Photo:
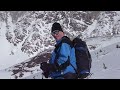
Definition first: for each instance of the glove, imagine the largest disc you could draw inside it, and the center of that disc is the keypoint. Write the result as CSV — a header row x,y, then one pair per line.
x,y
43,66
46,74
47,68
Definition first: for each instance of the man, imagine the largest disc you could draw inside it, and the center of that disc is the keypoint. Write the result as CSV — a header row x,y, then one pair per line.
x,y
62,64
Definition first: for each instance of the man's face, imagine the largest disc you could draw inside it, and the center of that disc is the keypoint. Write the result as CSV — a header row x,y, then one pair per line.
x,y
57,34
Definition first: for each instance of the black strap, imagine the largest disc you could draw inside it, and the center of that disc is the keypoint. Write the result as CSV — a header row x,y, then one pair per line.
x,y
65,39
77,74
89,56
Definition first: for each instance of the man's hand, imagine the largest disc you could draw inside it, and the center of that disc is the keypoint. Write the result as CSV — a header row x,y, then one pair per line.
x,y
47,68
43,66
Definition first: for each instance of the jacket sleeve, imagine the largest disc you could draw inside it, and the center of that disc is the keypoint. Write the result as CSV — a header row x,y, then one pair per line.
x,y
64,52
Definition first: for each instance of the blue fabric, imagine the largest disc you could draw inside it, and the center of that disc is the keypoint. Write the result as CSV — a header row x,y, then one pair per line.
x,y
64,51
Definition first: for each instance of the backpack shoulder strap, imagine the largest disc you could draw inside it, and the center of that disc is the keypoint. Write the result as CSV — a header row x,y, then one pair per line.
x,y
65,39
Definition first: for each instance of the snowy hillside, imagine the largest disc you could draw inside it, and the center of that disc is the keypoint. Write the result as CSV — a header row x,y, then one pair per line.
x,y
9,54
105,61
24,34
26,38
105,64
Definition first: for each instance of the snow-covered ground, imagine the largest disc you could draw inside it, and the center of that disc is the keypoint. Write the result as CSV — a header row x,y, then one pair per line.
x,y
107,66
106,62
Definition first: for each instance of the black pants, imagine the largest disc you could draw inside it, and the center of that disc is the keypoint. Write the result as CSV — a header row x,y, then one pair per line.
x,y
67,76
70,76
82,76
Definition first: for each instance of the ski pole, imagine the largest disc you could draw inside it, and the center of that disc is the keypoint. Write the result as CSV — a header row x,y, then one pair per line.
x,y
42,75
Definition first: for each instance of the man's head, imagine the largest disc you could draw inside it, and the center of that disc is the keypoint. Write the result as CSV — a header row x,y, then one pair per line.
x,y
57,31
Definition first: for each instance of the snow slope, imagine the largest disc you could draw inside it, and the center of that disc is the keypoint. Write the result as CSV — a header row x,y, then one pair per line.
x,y
107,64
105,60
